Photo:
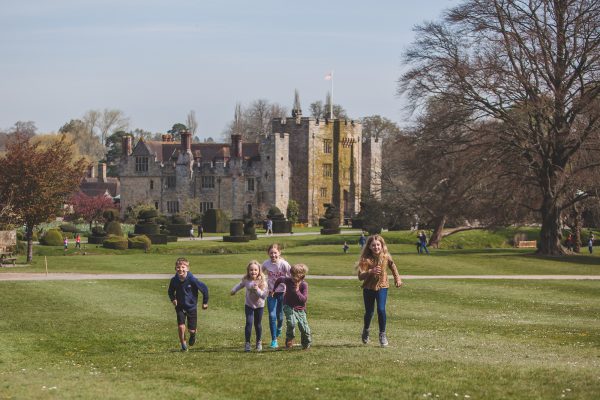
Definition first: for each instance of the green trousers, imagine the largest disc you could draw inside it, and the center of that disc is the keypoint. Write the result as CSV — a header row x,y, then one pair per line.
x,y
293,318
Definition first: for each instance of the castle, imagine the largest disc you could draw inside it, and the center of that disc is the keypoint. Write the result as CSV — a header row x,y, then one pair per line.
x,y
312,161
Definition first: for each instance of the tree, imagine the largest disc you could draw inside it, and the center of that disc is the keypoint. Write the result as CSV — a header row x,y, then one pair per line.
x,y
253,121
111,121
176,131
88,144
533,66
319,110
38,181
379,127
114,147
192,123
90,208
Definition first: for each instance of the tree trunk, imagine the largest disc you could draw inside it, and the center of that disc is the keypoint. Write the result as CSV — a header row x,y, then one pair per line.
x,y
436,236
576,229
550,235
29,237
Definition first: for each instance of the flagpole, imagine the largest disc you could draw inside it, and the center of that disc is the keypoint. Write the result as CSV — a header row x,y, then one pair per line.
x,y
331,102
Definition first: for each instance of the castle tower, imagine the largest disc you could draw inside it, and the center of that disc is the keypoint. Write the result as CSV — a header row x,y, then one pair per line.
x,y
275,176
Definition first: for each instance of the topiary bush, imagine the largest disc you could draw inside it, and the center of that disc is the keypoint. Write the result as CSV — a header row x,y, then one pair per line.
x,y
215,221
177,220
69,228
53,237
140,242
113,228
116,242
148,214
111,214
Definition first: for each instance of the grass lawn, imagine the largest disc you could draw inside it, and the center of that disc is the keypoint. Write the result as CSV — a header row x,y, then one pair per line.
x,y
448,339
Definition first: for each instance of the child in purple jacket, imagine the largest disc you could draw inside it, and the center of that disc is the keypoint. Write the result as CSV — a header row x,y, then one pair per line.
x,y
294,305
256,292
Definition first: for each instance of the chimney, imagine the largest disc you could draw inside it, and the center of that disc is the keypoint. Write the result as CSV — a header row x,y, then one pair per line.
x,y
236,146
186,141
91,171
102,172
126,145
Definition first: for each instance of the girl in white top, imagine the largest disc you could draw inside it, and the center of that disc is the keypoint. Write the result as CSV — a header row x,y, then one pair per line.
x,y
275,267
256,292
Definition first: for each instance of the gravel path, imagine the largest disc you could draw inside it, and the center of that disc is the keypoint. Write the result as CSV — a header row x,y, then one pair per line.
x,y
16,276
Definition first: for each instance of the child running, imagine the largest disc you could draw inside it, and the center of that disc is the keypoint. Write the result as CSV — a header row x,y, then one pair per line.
x,y
275,267
372,270
256,292
294,306
183,292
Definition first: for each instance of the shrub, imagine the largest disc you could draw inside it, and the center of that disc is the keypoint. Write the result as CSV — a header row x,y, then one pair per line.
x,y
275,213
115,242
143,229
98,231
53,237
215,220
148,213
162,220
21,236
177,220
182,230
139,242
113,228
111,214
69,228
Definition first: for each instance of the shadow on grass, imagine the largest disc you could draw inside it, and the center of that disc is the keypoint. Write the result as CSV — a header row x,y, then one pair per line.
x,y
267,349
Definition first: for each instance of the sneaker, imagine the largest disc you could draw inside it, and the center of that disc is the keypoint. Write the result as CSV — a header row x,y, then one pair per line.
x,y
289,343
184,347
192,340
383,339
258,346
274,344
247,346
365,336
307,347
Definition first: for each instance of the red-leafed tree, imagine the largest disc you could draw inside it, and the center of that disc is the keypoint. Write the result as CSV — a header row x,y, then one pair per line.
x,y
38,181
90,208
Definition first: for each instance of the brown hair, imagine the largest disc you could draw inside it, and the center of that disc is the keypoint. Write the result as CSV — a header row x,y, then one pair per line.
x,y
182,260
367,253
298,272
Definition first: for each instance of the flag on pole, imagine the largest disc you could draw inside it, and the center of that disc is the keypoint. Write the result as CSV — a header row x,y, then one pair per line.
x,y
329,76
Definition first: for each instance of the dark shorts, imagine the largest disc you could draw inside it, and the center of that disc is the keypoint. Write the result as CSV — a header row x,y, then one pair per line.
x,y
191,315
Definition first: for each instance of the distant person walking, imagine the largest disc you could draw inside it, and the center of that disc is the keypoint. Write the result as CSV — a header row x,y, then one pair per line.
x,y
66,243
269,226
78,241
591,243
192,233
200,231
423,243
362,240
346,247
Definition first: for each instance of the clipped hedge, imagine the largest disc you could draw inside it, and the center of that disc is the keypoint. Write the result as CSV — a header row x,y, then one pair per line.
x,y
139,242
113,228
96,239
215,221
180,230
147,229
53,237
68,228
116,242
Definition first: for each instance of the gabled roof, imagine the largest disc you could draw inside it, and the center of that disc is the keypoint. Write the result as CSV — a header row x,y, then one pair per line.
x,y
165,151
94,186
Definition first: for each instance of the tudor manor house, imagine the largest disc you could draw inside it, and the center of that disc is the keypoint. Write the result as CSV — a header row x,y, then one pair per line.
x,y
312,161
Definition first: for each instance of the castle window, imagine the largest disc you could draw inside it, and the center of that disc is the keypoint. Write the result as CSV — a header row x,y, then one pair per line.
x,y
206,205
151,184
327,145
323,192
156,205
141,164
327,170
208,182
172,207
250,184
249,209
171,182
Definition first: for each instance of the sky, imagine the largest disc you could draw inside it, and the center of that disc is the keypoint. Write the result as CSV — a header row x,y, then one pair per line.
x,y
156,60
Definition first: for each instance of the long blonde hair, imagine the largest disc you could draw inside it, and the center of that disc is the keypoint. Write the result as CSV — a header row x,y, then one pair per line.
x,y
260,278
367,256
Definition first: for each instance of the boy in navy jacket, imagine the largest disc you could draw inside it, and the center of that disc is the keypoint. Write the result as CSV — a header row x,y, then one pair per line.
x,y
183,292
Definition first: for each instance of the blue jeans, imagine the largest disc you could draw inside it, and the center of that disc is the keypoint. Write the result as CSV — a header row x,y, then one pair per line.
x,y
423,248
253,317
275,307
370,297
